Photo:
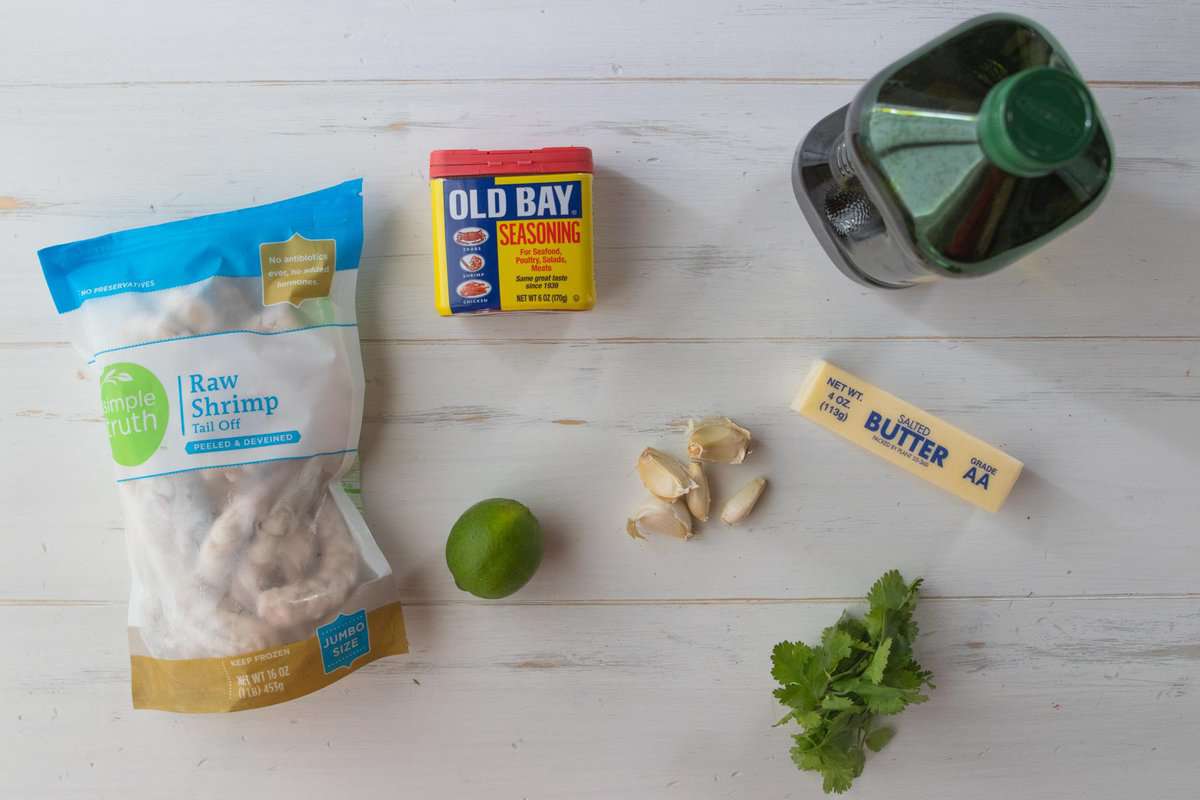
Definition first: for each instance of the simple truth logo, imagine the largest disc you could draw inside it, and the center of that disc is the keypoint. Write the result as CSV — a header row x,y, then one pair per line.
x,y
136,412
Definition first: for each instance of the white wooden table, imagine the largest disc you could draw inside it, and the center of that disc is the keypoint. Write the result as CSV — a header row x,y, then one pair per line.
x,y
1064,631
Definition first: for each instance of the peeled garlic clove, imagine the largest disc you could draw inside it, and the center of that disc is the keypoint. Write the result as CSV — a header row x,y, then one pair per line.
x,y
718,440
664,476
662,518
698,499
742,503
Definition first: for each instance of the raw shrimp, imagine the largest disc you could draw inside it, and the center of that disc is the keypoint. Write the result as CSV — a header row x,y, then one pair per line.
x,y
231,384
335,575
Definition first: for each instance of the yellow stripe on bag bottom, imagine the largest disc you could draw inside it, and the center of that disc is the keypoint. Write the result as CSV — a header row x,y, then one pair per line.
x,y
261,678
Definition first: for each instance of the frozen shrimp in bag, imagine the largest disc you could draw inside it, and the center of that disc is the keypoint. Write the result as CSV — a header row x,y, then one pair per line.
x,y
230,378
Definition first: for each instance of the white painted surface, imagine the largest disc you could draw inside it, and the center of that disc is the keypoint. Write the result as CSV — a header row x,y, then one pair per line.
x,y
1064,631
1037,698
44,41
694,208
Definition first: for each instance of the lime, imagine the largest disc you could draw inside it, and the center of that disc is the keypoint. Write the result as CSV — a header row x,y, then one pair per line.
x,y
494,548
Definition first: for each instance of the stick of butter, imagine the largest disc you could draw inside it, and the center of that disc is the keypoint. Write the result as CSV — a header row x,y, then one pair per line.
x,y
908,437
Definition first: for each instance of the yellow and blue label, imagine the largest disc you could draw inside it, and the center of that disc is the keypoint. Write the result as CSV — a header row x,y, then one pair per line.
x,y
513,243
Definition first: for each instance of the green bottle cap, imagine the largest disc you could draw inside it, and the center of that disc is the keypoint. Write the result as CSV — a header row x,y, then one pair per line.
x,y
1035,121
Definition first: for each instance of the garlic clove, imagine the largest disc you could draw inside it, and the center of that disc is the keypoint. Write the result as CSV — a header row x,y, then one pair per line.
x,y
718,440
663,475
662,518
698,499
741,504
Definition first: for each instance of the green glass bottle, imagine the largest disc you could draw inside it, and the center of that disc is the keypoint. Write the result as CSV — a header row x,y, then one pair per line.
x,y
956,160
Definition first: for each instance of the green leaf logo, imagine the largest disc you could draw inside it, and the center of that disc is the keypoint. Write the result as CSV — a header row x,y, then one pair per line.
x,y
136,412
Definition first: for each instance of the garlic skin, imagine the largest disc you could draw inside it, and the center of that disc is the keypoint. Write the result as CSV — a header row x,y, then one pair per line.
x,y
660,517
718,440
699,499
663,475
741,504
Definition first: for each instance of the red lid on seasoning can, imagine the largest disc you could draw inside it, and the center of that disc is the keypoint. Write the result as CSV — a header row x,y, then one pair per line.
x,y
547,160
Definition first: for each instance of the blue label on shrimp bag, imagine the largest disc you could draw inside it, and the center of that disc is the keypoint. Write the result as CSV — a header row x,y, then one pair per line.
x,y
344,640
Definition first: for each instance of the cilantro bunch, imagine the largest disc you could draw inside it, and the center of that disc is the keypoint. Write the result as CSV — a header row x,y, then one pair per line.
x,y
863,668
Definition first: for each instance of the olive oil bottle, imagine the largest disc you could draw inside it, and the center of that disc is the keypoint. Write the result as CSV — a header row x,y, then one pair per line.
x,y
956,160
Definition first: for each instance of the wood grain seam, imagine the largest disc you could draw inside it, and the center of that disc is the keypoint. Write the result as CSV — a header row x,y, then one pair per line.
x,y
604,340
607,340
778,80
23,602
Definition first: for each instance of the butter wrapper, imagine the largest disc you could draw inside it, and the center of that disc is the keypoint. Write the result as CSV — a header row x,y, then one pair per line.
x,y
907,436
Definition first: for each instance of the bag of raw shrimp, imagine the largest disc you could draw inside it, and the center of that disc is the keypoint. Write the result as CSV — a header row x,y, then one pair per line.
x,y
227,358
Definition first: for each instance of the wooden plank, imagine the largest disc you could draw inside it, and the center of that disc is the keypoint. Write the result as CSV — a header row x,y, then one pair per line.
x,y
1041,699
1106,429
224,40
698,234
621,671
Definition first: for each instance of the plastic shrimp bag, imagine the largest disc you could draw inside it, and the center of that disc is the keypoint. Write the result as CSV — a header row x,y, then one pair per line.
x,y
230,377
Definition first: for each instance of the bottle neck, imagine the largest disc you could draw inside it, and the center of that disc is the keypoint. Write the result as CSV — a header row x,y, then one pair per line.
x,y
1036,121
839,160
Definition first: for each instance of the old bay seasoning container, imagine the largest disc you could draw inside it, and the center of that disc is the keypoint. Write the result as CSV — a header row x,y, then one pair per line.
x,y
512,230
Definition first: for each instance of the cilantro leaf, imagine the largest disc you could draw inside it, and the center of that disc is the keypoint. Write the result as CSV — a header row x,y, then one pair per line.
x,y
913,589
862,668
842,685
877,739
806,719
835,646
874,670
904,633
837,755
876,623
801,672
853,626
789,661
799,696
835,702
890,592
906,677
881,699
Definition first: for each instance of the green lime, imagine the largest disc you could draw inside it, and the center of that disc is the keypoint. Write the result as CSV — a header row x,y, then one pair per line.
x,y
494,548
